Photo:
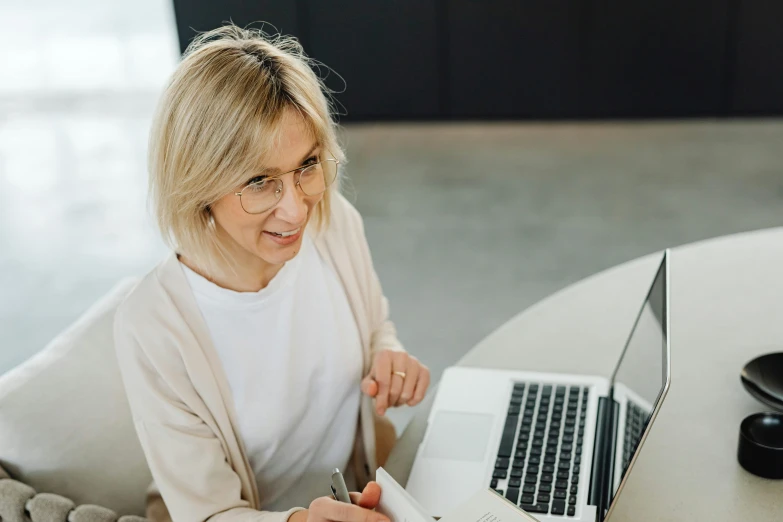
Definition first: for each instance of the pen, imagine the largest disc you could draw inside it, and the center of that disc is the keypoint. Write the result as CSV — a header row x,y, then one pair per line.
x,y
339,489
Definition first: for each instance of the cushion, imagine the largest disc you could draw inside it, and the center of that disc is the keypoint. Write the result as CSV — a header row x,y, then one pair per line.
x,y
66,426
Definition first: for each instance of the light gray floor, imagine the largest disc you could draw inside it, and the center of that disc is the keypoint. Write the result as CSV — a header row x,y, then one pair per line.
x,y
468,223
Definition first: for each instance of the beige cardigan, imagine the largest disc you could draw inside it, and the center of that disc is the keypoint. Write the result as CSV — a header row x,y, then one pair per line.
x,y
181,401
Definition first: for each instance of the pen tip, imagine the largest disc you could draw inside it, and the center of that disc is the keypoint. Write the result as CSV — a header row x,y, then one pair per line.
x,y
335,470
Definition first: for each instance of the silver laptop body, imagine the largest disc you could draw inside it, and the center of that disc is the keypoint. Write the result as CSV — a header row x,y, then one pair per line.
x,y
560,446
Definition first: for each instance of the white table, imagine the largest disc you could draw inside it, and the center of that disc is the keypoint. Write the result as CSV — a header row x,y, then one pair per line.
x,y
726,308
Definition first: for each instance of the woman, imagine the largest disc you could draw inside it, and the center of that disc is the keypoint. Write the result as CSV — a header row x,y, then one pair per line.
x,y
259,356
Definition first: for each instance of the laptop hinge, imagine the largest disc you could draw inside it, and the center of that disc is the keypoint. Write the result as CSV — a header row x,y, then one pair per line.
x,y
600,491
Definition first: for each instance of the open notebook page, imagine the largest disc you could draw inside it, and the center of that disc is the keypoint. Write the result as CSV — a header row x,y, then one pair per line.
x,y
484,506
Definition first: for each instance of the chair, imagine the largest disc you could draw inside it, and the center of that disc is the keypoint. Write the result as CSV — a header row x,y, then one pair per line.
x,y
66,431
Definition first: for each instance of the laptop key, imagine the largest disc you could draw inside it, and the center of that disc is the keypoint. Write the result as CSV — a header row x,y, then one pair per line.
x,y
507,440
562,475
518,463
561,484
531,479
559,495
515,483
545,488
502,463
572,499
499,492
517,473
527,499
571,511
558,507
574,489
529,488
536,452
512,494
499,474
534,459
546,479
575,478
549,459
494,483
543,499
535,508
532,470
548,468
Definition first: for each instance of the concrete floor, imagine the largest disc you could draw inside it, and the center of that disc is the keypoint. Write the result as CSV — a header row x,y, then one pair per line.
x,y
468,223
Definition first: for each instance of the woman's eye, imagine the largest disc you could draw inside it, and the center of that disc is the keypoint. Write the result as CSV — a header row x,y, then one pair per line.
x,y
310,161
257,180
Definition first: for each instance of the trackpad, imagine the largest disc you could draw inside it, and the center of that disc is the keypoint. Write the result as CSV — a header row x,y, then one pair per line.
x,y
459,436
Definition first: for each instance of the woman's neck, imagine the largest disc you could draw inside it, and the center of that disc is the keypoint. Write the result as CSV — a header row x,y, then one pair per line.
x,y
246,273
246,276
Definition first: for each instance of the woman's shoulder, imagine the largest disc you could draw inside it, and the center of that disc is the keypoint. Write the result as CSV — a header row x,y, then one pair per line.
x,y
147,304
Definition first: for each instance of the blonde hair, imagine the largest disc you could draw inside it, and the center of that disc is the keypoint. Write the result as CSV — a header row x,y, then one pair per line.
x,y
219,115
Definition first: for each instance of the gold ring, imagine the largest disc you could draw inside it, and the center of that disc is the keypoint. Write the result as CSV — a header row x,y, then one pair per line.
x,y
401,374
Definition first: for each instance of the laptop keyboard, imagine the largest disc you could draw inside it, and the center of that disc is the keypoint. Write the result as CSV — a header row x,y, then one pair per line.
x,y
635,422
540,452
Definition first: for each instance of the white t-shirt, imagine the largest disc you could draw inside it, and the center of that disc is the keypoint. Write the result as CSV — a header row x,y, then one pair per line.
x,y
293,358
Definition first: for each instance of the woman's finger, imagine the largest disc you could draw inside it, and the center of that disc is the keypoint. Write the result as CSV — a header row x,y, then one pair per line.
x,y
371,496
422,384
382,377
369,386
399,361
409,384
326,508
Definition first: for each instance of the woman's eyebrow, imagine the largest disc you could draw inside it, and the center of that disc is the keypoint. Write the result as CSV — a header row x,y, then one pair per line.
x,y
270,171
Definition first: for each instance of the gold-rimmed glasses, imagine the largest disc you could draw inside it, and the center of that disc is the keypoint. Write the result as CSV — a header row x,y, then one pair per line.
x,y
312,179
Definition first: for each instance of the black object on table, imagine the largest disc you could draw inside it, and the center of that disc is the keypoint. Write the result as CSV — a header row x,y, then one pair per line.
x,y
760,448
763,378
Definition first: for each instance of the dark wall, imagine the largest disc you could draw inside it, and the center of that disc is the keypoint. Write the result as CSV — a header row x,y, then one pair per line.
x,y
493,59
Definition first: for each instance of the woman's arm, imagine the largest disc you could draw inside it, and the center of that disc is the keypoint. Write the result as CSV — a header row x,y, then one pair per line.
x,y
187,461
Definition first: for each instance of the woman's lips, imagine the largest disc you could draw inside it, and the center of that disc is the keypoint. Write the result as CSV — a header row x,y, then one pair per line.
x,y
284,238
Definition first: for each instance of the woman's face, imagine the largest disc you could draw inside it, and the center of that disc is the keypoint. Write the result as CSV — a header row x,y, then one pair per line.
x,y
259,235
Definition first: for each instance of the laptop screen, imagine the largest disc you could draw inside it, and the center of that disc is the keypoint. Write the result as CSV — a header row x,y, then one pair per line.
x,y
639,380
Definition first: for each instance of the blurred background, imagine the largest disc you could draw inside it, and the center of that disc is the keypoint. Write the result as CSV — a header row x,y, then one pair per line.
x,y
498,150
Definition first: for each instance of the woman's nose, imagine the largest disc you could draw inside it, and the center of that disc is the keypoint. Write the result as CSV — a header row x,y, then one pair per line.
x,y
292,206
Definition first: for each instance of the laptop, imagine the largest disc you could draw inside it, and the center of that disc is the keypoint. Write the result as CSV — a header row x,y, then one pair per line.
x,y
559,446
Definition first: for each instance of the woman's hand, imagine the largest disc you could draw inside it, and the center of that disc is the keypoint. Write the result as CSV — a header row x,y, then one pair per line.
x,y
396,378
327,509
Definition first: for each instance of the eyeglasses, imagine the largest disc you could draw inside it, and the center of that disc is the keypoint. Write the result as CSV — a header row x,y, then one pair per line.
x,y
312,179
